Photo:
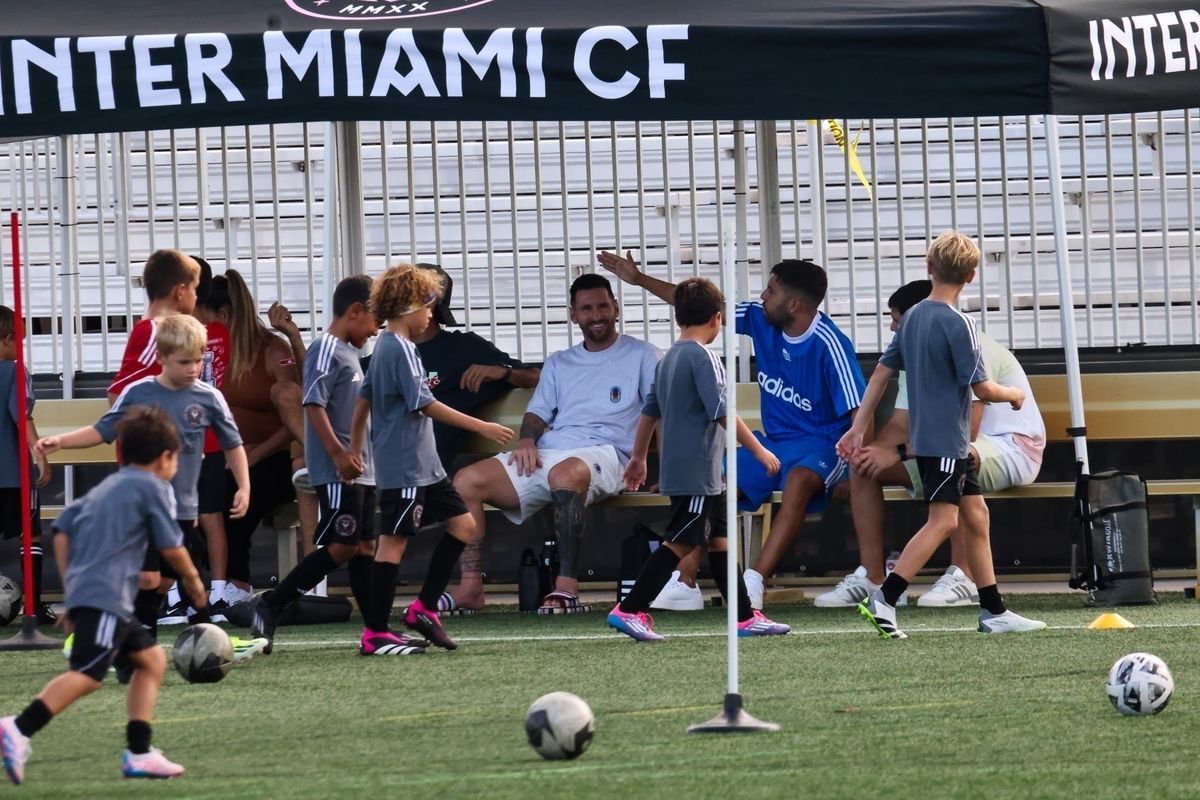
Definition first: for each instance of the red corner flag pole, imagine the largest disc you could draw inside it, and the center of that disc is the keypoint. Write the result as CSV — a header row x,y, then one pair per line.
x,y
28,638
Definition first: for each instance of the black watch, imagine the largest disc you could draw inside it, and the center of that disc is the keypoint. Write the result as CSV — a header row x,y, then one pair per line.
x,y
902,449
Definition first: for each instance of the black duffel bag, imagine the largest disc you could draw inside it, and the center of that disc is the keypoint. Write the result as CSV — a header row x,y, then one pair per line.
x,y
1110,557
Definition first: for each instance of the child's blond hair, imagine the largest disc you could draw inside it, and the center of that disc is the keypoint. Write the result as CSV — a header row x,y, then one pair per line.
x,y
952,257
403,289
180,333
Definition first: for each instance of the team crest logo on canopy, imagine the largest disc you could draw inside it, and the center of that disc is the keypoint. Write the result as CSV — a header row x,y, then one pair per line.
x,y
366,10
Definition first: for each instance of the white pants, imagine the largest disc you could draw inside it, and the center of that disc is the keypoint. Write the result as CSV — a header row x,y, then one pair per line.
x,y
533,491
1002,464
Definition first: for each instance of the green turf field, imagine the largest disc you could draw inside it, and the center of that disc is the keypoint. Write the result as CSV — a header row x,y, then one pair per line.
x,y
948,713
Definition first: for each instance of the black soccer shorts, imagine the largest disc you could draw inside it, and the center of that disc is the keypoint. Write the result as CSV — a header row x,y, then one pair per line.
x,y
403,511
104,639
695,519
10,512
211,486
947,480
347,513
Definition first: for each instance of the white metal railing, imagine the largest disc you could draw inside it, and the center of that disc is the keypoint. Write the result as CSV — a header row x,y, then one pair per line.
x,y
515,210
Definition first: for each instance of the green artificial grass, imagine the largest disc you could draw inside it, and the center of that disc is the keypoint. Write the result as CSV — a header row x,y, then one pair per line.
x,y
948,713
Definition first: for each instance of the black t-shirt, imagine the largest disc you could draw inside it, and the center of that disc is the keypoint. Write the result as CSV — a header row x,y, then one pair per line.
x,y
446,357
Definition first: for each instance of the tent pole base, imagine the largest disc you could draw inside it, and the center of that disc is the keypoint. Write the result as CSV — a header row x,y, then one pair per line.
x,y
30,638
733,719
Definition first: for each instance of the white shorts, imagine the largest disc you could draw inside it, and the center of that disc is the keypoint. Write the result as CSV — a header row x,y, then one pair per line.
x,y
1002,464
533,491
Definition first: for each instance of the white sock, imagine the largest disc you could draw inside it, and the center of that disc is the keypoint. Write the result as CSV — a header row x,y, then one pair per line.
x,y
173,595
218,591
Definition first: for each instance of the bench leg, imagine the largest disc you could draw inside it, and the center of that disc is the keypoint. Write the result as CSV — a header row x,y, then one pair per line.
x,y
1196,528
285,548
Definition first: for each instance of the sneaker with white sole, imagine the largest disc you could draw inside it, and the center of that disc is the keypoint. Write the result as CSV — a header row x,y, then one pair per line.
x,y
754,588
236,594
246,649
16,749
852,590
876,611
759,625
639,626
149,765
678,596
1008,622
953,588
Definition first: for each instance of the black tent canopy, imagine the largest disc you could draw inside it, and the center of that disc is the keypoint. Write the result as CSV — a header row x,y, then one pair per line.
x,y
109,65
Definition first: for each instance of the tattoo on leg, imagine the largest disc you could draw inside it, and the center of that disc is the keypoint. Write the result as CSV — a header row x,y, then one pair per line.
x,y
471,561
568,524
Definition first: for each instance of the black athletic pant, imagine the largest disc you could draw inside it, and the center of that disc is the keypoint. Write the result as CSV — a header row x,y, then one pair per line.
x,y
270,487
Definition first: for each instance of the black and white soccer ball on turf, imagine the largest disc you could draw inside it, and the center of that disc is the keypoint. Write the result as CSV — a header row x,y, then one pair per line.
x,y
560,725
203,653
1140,684
10,599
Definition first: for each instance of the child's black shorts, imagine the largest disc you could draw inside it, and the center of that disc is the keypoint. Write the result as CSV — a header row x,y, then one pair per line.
x,y
10,512
948,480
696,518
404,511
153,561
104,639
211,486
347,513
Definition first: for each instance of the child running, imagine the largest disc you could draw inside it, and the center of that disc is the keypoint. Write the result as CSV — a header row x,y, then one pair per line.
x,y
413,488
936,344
689,396
103,538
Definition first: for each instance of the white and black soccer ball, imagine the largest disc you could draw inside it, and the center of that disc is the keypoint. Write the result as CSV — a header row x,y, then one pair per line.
x,y
1140,684
10,599
560,725
203,653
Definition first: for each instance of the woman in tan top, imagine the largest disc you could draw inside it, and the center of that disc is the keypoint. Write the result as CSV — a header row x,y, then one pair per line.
x,y
262,387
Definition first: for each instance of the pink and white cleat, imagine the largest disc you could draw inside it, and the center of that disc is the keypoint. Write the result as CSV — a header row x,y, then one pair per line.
x,y
149,765
16,749
639,626
759,625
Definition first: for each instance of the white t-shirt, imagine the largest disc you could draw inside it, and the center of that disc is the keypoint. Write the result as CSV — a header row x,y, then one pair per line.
x,y
591,398
999,419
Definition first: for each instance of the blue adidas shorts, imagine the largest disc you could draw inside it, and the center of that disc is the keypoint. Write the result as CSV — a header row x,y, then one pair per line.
x,y
755,485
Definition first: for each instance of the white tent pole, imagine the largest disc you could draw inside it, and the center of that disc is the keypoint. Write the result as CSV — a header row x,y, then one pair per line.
x,y
329,228
69,273
729,340
1066,298
350,199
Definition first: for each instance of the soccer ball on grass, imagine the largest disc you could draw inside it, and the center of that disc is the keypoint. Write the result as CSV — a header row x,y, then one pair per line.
x,y
559,725
1140,684
203,653
10,600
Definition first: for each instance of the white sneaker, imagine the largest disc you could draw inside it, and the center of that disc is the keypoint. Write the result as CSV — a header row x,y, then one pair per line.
x,y
678,596
852,590
754,588
149,765
953,588
235,594
1008,622
16,749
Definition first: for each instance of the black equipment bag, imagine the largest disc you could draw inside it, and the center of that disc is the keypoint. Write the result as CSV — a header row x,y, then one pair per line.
x,y
1110,557
307,610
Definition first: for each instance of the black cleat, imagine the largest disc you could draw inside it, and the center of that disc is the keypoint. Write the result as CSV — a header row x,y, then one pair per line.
x,y
46,615
265,620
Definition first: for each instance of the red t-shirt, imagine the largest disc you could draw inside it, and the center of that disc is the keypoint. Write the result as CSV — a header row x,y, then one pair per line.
x,y
216,359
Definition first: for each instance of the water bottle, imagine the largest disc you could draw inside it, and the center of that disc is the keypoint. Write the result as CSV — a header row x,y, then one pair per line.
x,y
889,565
547,566
529,594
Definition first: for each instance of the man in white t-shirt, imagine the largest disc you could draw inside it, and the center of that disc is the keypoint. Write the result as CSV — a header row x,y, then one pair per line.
x,y
1006,446
576,435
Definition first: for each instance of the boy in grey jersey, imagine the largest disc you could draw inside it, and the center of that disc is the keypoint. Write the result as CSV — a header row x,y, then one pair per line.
x,y
939,349
344,480
688,395
413,489
192,406
102,542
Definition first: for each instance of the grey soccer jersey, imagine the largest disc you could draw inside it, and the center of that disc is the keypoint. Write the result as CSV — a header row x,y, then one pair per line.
x,y
10,442
332,378
402,437
939,349
110,528
689,395
193,409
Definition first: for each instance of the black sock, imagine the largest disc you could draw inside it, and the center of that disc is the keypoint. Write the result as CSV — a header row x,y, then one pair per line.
x,y
893,587
304,576
718,562
146,605
383,594
359,568
650,580
441,567
990,599
137,733
35,717
38,556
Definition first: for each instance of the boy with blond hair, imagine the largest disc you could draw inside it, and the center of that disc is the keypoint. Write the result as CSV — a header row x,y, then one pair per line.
x,y
938,347
412,485
193,406
103,539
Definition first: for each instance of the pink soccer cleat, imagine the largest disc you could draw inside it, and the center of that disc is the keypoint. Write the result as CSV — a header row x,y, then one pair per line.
x,y
639,626
759,625
149,765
